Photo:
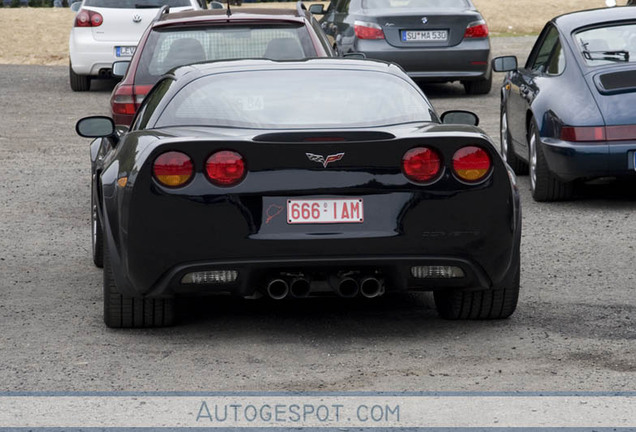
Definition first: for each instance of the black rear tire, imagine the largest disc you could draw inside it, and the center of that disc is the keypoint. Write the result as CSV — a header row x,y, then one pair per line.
x,y
496,303
122,311
78,82
97,234
544,185
479,87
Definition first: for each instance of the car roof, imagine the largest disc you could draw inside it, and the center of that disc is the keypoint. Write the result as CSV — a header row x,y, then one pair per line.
x,y
242,14
243,65
576,20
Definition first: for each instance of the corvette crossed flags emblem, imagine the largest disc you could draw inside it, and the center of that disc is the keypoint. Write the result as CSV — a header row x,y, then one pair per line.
x,y
325,160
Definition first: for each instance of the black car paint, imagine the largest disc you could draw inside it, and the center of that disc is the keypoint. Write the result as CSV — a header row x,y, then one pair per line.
x,y
156,234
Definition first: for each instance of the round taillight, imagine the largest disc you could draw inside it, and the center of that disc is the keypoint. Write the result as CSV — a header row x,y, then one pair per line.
x,y
421,164
173,169
471,164
225,168
96,19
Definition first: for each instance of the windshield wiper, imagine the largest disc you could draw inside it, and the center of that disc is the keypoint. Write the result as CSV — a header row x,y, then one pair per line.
x,y
618,56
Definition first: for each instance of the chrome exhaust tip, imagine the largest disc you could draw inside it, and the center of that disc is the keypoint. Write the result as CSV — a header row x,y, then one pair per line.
x,y
348,287
371,287
300,287
277,289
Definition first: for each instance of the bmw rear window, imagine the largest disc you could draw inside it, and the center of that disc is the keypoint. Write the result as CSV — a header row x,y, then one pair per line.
x,y
136,4
169,48
415,4
288,99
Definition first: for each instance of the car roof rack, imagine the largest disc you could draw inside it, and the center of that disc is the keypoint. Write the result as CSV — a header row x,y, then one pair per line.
x,y
165,9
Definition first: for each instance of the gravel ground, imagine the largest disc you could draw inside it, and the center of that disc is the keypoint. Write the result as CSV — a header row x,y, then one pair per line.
x,y
574,328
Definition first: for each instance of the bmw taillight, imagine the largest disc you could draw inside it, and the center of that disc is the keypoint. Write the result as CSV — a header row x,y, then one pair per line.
x,y
598,133
225,168
477,29
88,18
421,164
173,169
367,30
471,164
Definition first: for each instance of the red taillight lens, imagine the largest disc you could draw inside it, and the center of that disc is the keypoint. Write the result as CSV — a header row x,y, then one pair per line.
x,y
173,169
594,133
477,29
421,164
471,164
366,30
225,168
87,18
123,101
598,133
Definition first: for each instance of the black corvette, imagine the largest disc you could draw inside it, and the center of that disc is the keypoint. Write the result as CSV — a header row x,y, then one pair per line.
x,y
569,114
292,179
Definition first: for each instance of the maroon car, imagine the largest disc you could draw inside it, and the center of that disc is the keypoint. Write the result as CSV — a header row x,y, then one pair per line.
x,y
176,39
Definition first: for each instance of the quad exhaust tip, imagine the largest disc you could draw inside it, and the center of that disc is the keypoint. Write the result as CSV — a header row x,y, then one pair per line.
x,y
300,287
371,287
278,289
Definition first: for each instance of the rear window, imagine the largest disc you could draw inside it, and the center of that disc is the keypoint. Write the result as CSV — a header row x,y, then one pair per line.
x,y
415,4
136,4
288,99
166,49
605,45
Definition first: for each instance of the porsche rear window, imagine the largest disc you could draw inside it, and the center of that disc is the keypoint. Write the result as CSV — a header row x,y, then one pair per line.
x,y
415,4
605,45
136,4
166,49
288,99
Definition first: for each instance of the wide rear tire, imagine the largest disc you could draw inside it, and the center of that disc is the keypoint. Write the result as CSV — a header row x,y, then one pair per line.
x,y
479,87
122,311
544,185
496,303
96,231
78,82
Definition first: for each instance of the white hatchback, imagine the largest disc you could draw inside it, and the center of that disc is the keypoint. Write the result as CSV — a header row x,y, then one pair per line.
x,y
105,31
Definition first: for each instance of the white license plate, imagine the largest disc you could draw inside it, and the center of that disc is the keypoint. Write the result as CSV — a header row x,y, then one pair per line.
x,y
424,35
323,211
125,51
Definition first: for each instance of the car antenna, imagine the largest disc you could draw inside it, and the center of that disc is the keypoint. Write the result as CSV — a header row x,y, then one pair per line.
x,y
229,11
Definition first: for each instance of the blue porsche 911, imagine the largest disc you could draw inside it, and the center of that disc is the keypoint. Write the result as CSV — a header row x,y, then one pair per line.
x,y
568,114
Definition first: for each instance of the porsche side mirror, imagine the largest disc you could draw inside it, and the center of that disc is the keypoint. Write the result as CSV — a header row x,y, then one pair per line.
x,y
317,9
96,127
120,68
504,64
216,5
460,117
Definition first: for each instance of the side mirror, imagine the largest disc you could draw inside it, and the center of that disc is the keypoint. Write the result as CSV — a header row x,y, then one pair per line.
x,y
355,55
76,6
504,64
120,68
317,9
460,117
216,5
95,127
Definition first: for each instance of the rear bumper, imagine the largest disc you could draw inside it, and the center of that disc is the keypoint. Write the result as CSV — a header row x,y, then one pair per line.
x,y
571,161
470,60
92,57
